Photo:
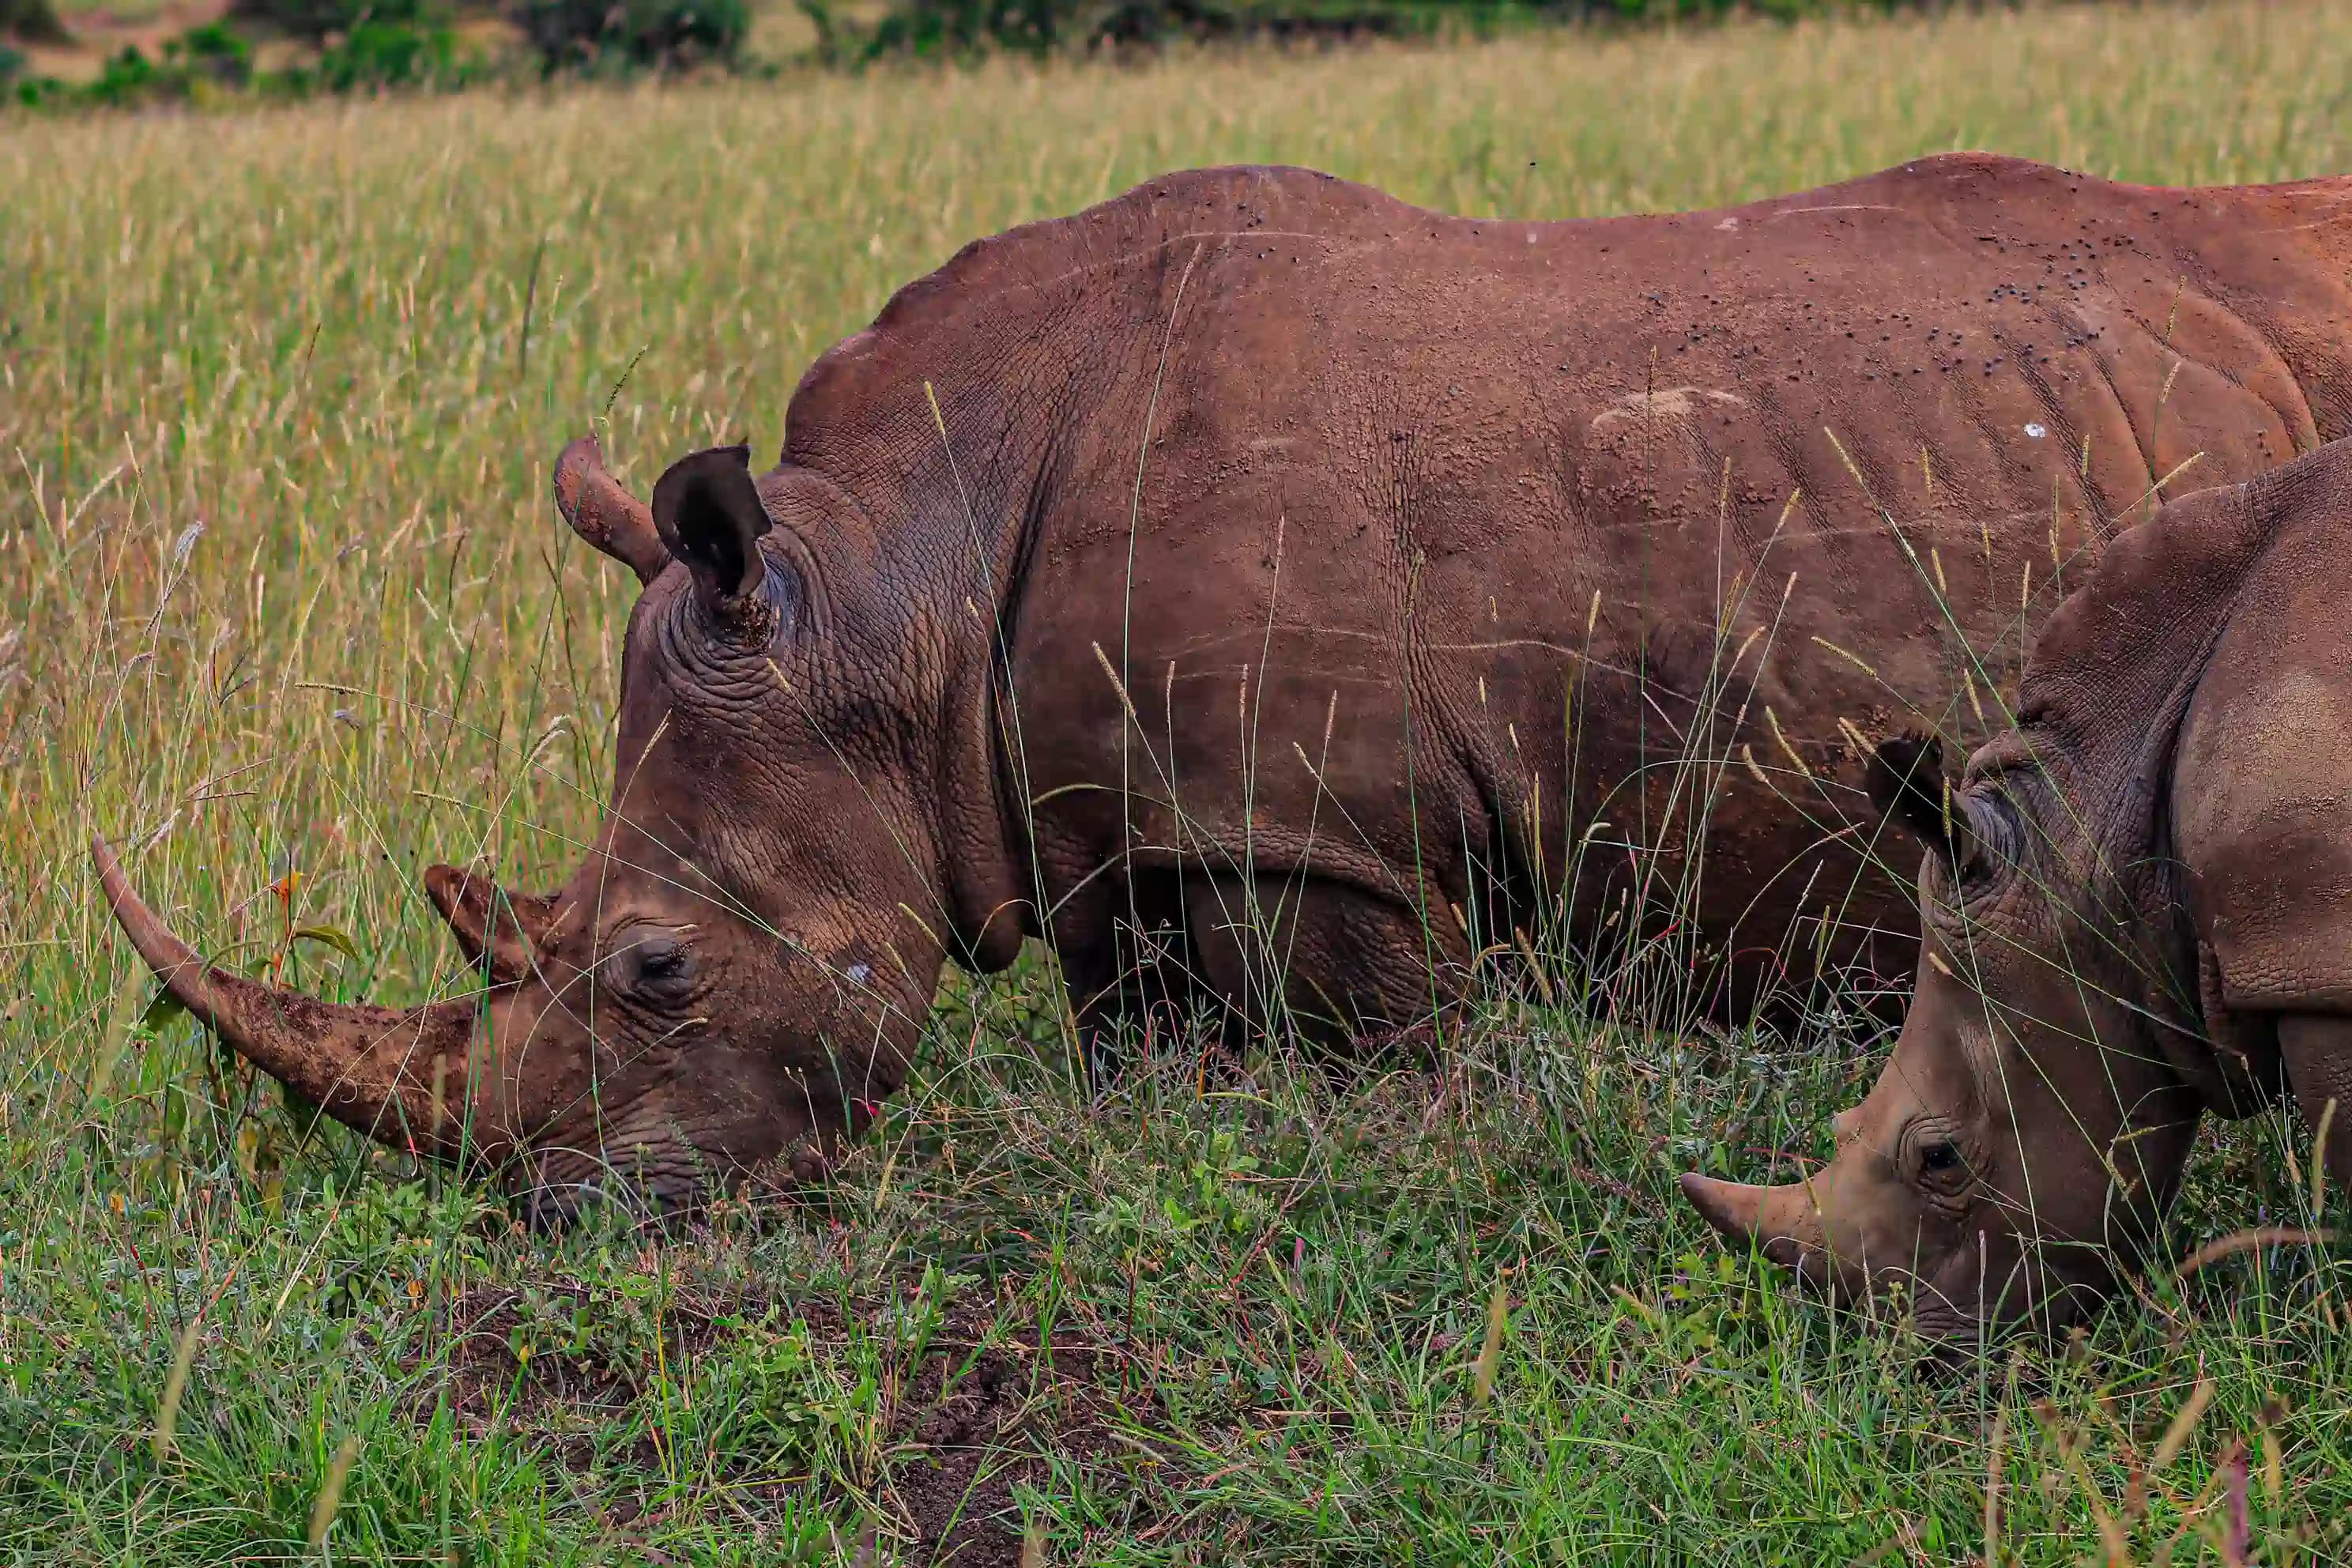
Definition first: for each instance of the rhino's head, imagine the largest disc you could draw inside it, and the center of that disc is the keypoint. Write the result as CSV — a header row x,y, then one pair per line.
x,y
735,972
2023,1142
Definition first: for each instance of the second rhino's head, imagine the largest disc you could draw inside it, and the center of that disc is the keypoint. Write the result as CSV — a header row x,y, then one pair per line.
x,y
736,971
2023,1142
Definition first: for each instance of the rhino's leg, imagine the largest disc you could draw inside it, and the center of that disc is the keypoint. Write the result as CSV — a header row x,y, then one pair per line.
x,y
1325,959
2318,1056
1131,968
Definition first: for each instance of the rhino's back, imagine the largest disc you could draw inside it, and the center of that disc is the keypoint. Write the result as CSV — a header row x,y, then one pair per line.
x,y
2006,359
1383,478
1940,214
1802,465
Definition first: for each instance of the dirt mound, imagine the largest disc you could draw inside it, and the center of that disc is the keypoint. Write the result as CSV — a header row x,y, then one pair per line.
x,y
978,1422
978,1407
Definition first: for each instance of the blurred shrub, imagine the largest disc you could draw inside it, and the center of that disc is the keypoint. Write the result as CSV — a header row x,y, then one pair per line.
x,y
389,53
201,58
214,50
41,91
1041,26
315,21
604,34
362,45
207,60
131,77
35,21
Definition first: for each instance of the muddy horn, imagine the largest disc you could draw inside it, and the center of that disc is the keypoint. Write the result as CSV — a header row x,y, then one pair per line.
x,y
371,1068
604,514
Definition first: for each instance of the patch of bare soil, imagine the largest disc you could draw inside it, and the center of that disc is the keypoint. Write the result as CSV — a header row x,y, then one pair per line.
x,y
966,1422
978,1422
97,35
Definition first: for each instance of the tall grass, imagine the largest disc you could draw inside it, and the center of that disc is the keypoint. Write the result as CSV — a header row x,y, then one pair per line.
x,y
287,611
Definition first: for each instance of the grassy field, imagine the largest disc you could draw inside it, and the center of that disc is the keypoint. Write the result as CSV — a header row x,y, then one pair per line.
x,y
279,394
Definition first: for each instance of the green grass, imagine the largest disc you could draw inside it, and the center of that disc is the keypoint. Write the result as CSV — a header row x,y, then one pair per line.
x,y
347,340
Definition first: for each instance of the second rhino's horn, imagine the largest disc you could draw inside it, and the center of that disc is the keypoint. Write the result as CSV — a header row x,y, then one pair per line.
x,y
397,1075
1779,1221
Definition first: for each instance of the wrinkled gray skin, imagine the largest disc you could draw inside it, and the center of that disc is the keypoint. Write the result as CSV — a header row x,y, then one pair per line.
x,y
2138,910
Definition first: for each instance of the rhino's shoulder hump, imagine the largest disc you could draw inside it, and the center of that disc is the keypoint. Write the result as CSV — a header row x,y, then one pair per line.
x,y
1953,177
1148,222
1236,199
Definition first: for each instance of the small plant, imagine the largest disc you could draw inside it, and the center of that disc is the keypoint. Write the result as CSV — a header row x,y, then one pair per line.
x,y
41,91
130,76
1043,27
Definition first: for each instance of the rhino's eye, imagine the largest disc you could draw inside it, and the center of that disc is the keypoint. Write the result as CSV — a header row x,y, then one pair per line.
x,y
1940,1157
655,965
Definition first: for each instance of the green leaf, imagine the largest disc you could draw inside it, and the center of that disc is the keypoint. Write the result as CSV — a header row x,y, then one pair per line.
x,y
166,1008
332,937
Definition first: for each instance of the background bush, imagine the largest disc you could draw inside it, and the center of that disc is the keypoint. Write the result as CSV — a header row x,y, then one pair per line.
x,y
606,33
363,45
216,50
33,20
389,53
372,45
316,20
1040,27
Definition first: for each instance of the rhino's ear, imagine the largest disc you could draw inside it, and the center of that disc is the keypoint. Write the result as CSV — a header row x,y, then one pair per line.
x,y
1908,784
709,516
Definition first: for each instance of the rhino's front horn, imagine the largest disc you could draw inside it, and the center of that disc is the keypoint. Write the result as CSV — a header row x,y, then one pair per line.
x,y
604,514
371,1068
1779,1220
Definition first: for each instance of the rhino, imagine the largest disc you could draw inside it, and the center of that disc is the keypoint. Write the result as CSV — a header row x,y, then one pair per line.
x,y
2138,910
1278,598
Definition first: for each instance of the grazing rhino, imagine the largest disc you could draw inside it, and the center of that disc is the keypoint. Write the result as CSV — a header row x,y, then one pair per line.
x,y
2138,910
1271,593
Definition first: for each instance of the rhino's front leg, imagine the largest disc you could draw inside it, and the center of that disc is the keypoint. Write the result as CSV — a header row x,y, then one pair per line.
x,y
2318,1055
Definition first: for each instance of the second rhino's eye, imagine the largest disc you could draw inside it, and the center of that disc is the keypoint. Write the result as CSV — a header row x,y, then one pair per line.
x,y
1939,1157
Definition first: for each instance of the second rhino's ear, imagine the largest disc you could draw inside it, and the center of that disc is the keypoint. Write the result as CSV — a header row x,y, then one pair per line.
x,y
1908,784
710,515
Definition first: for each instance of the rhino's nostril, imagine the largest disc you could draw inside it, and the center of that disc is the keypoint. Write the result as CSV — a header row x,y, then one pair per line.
x,y
1790,1253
